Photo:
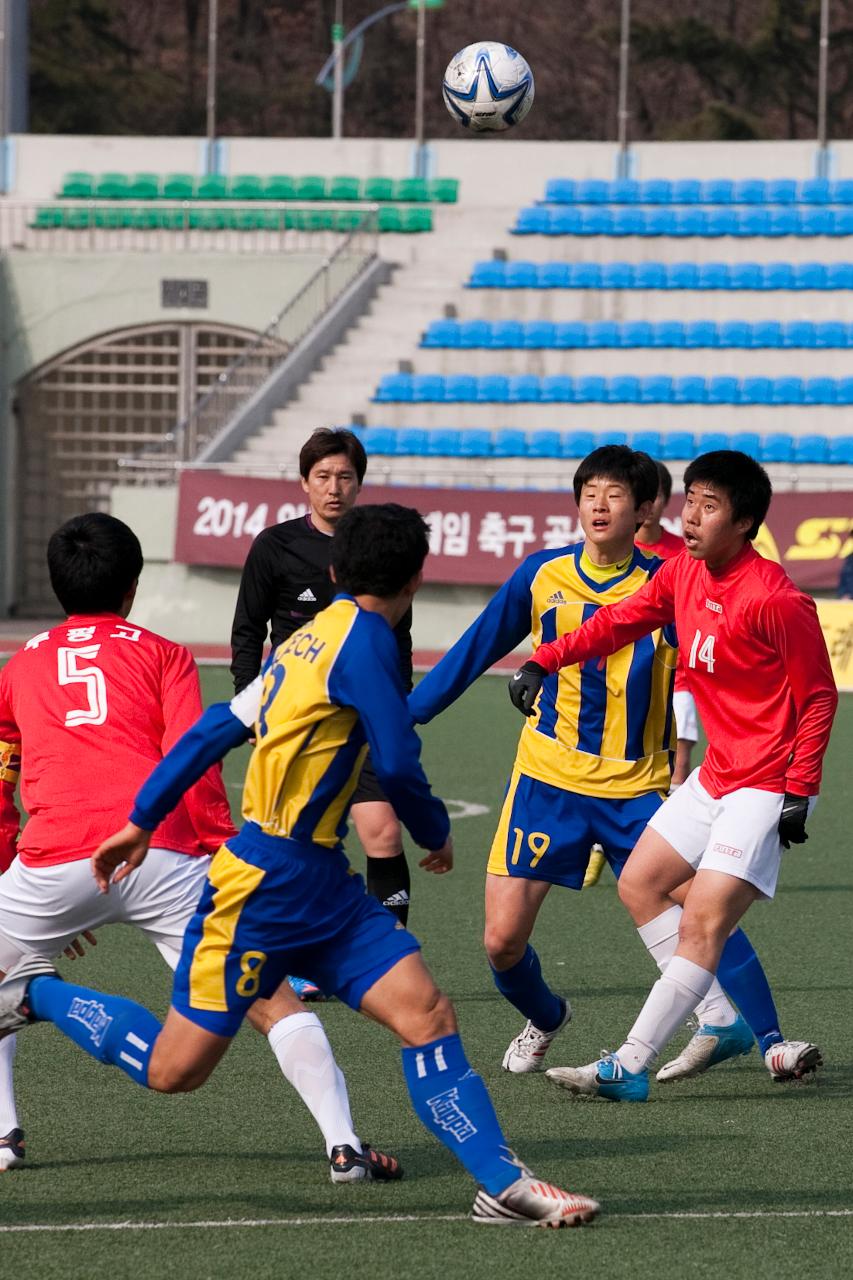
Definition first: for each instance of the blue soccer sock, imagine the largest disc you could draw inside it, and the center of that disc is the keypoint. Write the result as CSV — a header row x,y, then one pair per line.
x,y
453,1103
109,1028
524,987
743,979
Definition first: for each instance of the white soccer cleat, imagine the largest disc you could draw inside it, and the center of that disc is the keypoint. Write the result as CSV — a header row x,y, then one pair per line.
x,y
526,1051
528,1202
791,1060
12,1150
14,1012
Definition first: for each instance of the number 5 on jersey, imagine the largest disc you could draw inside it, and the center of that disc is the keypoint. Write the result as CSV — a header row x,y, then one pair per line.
x,y
71,671
702,650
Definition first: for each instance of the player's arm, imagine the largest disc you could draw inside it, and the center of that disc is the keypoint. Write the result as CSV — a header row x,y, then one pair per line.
x,y
252,614
501,627
10,768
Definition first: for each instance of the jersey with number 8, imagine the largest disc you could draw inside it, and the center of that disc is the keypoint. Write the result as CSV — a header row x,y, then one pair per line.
x,y
756,663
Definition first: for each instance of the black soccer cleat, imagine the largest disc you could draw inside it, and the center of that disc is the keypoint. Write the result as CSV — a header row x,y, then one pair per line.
x,y
346,1165
12,1151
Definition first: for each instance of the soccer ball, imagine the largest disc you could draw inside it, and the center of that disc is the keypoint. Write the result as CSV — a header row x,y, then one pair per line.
x,y
488,86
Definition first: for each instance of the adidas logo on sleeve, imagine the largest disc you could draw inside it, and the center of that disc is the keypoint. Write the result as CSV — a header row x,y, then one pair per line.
x,y
308,596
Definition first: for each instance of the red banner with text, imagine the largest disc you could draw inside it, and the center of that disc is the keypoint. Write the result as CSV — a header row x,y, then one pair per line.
x,y
480,535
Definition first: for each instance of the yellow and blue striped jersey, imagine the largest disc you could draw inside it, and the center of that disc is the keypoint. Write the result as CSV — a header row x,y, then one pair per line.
x,y
599,730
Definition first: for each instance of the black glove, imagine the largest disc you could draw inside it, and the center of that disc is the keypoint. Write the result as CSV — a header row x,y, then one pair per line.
x,y
792,824
525,685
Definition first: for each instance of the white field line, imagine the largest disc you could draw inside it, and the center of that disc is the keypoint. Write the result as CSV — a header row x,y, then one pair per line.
x,y
394,1220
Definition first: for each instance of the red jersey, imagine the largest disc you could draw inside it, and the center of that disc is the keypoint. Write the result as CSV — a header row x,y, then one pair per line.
x,y
90,707
755,660
667,546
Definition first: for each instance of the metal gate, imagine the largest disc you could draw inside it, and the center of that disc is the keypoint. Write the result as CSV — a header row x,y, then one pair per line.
x,y
81,414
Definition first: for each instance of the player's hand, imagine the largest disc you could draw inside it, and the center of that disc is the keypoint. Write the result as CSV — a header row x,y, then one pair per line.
x,y
122,853
75,947
525,685
792,824
439,861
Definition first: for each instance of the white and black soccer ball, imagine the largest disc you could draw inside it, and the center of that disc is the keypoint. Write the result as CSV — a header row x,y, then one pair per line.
x,y
488,86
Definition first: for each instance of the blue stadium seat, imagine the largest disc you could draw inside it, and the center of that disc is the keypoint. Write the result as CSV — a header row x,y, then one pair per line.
x,y
768,333
595,220
476,442
603,333
819,391
712,275
811,449
784,221
839,275
748,442
787,391
506,334
723,390
441,333
815,220
752,221
777,447
810,275
833,333
656,389
658,220
682,275
814,191
412,442
778,275
427,388
394,387
379,440
756,391
587,275
556,389
624,191
539,334
669,333
842,191
627,220
746,275
844,391
711,441
523,388
782,191
611,437
841,450
799,333
492,388
460,388
592,191
690,390
570,334
722,220
686,191
717,191
591,389
750,191
544,444
520,275
702,333
509,443
623,389
636,333
677,445
443,442
735,333
487,275
843,221
553,275
577,444
690,221
650,275
533,221
647,442
617,275
560,191
565,221
474,334
656,191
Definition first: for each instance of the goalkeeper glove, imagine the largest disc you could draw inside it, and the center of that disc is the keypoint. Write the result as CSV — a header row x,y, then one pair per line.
x,y
525,685
792,824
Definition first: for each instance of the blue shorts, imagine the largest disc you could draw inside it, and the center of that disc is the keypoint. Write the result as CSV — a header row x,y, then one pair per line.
x,y
271,907
546,832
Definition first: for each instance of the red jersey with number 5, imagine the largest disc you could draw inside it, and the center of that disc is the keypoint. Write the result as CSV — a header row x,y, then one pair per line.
x,y
87,710
754,657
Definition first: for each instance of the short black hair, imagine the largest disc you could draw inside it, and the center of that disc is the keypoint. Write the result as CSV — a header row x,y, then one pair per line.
x,y
378,548
630,467
327,441
664,481
93,561
744,482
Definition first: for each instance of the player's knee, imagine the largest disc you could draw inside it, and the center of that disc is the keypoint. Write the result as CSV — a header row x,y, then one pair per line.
x,y
439,1019
382,838
632,890
504,949
176,1077
703,929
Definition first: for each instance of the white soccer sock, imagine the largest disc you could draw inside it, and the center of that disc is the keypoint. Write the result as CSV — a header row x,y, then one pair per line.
x,y
8,1111
306,1060
661,938
682,986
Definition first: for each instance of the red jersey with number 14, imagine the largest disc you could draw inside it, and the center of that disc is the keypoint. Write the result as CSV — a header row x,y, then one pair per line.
x,y
755,661
88,709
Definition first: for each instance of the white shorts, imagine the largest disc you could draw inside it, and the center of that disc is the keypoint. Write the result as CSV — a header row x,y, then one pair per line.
x,y
737,834
686,719
43,908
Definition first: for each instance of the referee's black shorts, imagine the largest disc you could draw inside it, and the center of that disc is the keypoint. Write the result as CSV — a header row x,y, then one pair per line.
x,y
367,787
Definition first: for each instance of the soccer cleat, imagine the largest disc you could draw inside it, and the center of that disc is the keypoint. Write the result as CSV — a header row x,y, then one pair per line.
x,y
606,1078
708,1046
306,989
14,1012
594,867
791,1060
526,1051
346,1165
12,1151
528,1202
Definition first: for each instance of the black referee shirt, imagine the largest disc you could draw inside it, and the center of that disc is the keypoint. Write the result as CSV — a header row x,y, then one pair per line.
x,y
285,582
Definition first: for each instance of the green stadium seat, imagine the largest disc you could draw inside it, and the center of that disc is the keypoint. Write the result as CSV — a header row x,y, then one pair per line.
x,y
416,220
279,186
310,187
246,186
178,186
77,185
77,219
214,186
347,219
390,218
378,189
270,219
112,186
45,219
145,219
411,189
444,190
241,219
112,219
344,188
208,219
311,219
173,219
144,186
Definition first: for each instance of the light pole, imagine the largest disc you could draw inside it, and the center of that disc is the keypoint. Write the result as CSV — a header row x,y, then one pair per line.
x,y
420,52
622,114
212,25
338,74
822,78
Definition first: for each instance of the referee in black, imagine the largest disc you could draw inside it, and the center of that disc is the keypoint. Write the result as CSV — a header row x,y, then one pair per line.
x,y
285,582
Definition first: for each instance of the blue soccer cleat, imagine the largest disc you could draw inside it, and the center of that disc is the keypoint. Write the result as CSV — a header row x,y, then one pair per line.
x,y
708,1046
306,989
606,1078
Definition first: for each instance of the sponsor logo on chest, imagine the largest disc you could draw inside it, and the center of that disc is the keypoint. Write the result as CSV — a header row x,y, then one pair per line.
x,y
713,606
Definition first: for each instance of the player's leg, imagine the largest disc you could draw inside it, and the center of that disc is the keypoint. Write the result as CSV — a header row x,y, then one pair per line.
x,y
388,878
